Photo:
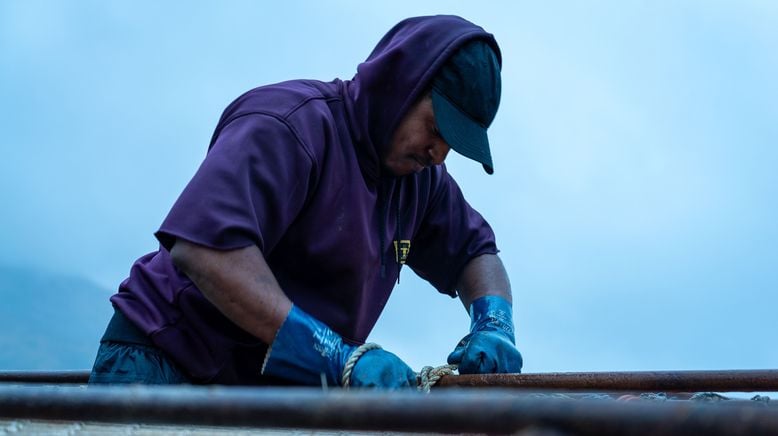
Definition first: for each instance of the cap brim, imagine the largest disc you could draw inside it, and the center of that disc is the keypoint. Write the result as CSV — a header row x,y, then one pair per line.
x,y
464,135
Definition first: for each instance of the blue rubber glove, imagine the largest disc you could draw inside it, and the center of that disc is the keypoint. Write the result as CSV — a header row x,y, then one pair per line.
x,y
490,346
305,348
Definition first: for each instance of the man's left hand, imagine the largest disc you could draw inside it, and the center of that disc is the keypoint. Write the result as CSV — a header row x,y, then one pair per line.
x,y
490,346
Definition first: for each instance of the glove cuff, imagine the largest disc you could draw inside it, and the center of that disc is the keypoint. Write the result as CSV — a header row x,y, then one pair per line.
x,y
304,349
492,313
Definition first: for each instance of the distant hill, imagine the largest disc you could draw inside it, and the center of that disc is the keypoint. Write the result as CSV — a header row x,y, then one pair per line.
x,y
50,321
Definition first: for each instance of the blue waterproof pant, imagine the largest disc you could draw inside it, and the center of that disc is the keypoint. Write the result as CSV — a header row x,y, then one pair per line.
x,y
126,355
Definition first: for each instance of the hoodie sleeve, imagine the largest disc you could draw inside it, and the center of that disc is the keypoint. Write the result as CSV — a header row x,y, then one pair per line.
x,y
451,234
248,190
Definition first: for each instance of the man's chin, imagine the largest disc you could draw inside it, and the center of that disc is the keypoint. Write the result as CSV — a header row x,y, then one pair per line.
x,y
399,172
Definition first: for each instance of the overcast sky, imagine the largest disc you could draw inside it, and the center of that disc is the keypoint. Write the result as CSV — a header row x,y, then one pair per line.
x,y
635,189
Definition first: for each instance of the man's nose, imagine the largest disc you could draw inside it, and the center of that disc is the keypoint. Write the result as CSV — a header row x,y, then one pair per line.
x,y
438,152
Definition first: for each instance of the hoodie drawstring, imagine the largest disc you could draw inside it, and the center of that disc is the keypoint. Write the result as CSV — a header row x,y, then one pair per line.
x,y
398,232
382,199
382,232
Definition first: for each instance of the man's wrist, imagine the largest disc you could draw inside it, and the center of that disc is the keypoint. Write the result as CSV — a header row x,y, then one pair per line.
x,y
493,313
304,349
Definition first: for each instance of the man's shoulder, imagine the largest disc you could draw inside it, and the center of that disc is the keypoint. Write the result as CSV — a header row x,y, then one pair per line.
x,y
283,99
306,109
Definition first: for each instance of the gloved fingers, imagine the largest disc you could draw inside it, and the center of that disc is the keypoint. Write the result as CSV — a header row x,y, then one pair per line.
x,y
476,362
456,356
488,353
382,369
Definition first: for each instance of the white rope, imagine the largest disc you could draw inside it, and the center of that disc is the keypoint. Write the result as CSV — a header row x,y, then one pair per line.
x,y
426,378
345,380
429,376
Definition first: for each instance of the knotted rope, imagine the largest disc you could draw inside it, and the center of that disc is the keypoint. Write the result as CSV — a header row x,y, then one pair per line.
x,y
345,380
429,376
426,378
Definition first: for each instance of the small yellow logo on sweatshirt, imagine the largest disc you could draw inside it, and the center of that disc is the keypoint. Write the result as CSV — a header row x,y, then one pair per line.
x,y
401,250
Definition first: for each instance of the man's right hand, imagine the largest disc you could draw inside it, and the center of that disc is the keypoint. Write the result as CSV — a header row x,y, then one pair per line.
x,y
382,369
305,348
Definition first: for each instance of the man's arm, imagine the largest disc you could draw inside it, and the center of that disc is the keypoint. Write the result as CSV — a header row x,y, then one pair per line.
x,y
486,294
239,283
483,275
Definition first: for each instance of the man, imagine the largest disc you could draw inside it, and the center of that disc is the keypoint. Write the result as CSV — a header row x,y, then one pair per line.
x,y
277,259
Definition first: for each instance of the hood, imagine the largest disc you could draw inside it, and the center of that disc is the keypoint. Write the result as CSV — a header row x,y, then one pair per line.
x,y
396,74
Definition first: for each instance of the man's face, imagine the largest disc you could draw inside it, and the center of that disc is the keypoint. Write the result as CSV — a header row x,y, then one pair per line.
x,y
416,142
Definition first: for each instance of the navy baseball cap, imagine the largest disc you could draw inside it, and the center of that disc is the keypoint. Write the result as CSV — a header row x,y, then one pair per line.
x,y
465,98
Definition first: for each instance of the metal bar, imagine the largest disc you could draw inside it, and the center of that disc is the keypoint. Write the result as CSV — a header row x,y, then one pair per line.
x,y
647,381
641,381
445,411
54,377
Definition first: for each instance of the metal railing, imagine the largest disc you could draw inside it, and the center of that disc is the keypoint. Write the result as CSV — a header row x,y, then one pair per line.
x,y
502,403
445,411
636,381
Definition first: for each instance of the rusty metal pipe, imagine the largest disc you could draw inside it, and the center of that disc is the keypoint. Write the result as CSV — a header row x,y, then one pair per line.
x,y
646,381
445,411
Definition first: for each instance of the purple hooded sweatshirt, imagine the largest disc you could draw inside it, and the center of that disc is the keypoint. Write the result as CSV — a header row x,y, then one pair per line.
x,y
295,168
